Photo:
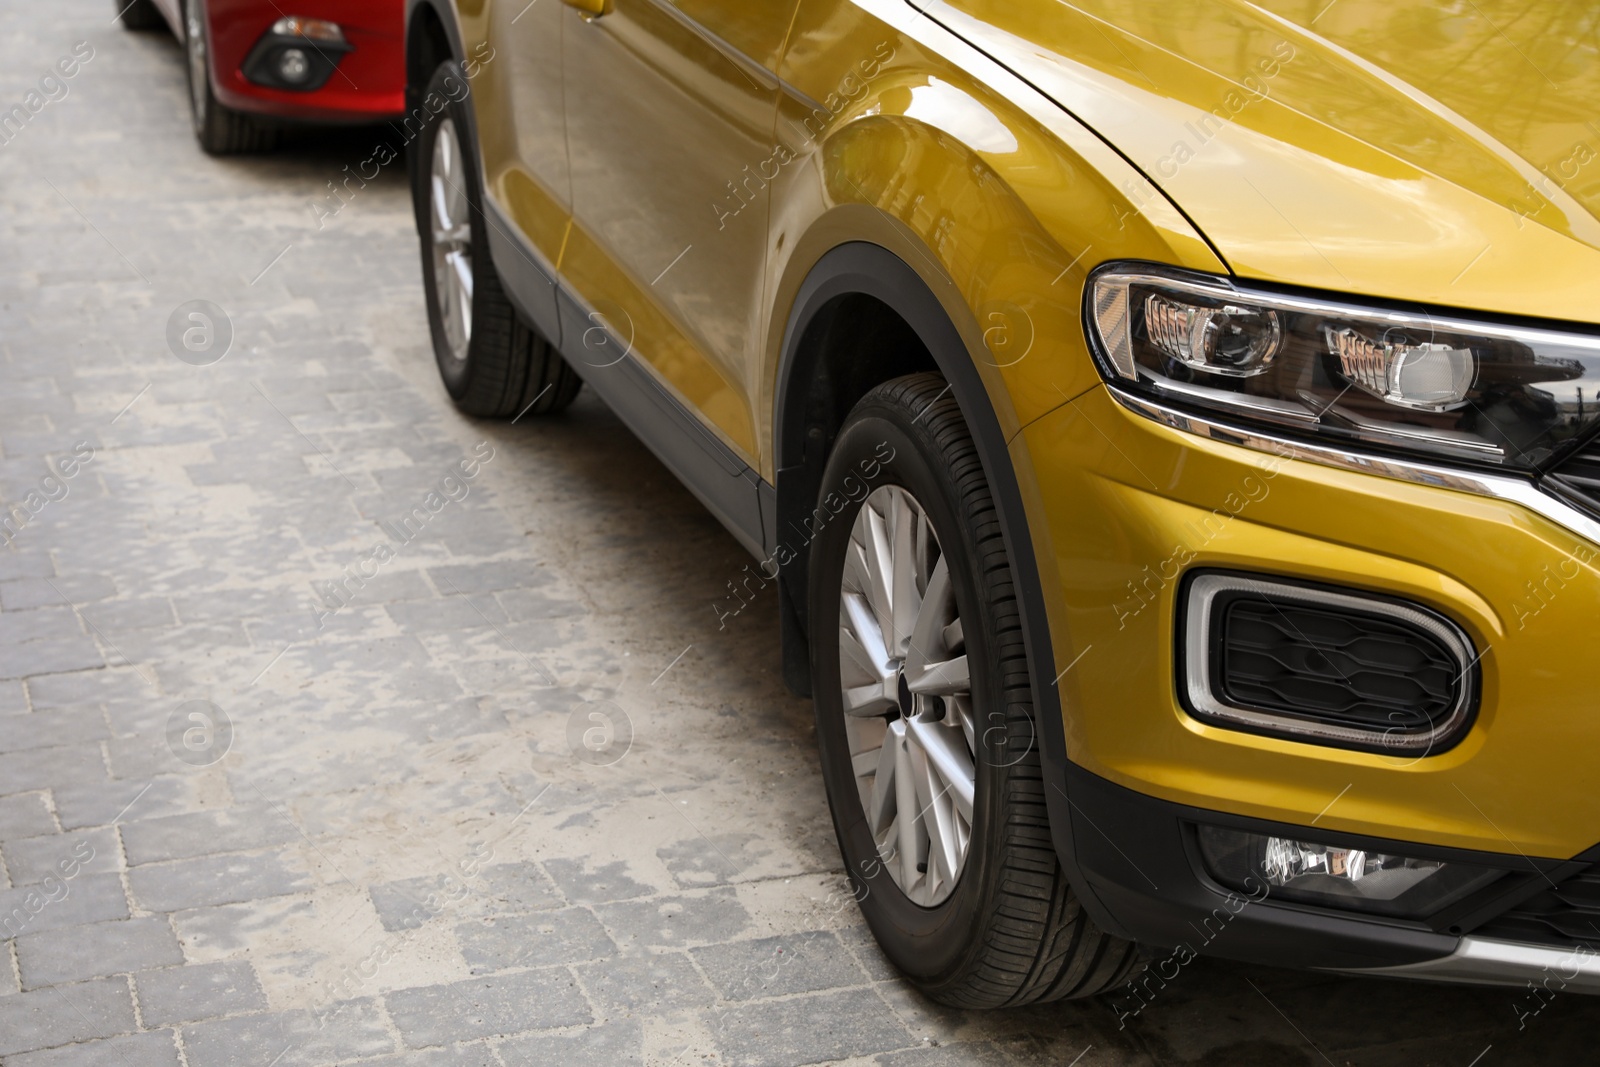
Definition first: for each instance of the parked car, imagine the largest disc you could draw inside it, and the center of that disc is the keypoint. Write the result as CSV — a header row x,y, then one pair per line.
x,y
1170,430
252,68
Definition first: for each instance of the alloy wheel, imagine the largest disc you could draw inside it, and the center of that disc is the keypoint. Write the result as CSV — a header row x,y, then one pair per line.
x,y
451,231
907,695
194,34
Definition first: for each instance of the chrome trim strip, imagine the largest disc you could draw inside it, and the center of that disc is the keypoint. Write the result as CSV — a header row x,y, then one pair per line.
x,y
1480,961
1496,487
1203,590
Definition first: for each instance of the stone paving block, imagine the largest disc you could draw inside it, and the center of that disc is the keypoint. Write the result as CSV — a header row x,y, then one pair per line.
x,y
33,859
13,695
536,605
64,1014
48,657
52,727
673,922
476,1054
655,983
451,613
433,720
99,803
235,829
200,991
74,953
483,1007
130,613
713,859
211,880
499,889
808,1029
155,1049
87,898
141,757
39,624
71,589
40,768
347,1030
613,1044
86,687
26,563
24,815
770,966
230,929
469,579
566,936
587,883
231,605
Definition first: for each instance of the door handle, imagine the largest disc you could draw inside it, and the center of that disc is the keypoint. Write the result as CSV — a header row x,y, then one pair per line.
x,y
592,9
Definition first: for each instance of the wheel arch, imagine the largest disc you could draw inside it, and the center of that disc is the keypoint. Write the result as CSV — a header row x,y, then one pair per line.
x,y
864,270
431,38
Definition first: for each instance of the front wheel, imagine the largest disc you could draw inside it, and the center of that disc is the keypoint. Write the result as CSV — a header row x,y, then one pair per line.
x,y
220,130
925,717
493,362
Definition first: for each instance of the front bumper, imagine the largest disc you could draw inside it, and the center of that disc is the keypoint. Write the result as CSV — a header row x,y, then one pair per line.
x,y
367,84
1122,507
1138,871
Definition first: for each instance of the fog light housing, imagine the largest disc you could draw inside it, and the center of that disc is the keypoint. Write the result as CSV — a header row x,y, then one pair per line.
x,y
1348,878
296,53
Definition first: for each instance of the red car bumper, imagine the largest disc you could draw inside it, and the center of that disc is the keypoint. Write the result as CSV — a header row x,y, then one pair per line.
x,y
368,83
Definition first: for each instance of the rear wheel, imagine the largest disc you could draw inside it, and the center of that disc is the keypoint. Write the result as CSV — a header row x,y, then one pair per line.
x,y
493,363
220,130
139,15
925,717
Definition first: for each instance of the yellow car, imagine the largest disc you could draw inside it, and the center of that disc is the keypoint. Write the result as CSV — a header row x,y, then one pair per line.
x,y
1171,429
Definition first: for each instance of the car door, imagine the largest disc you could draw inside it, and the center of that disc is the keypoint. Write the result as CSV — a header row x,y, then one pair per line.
x,y
670,112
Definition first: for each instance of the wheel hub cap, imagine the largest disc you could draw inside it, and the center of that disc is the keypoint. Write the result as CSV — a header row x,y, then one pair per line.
x,y
907,695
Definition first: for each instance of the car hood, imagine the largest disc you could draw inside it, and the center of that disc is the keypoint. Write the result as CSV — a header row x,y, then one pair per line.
x,y
1447,154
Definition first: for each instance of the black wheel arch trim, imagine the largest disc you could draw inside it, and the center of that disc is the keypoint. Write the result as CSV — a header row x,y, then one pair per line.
x,y
864,268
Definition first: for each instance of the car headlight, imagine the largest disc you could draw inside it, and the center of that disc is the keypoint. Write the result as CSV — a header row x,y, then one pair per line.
x,y
1489,393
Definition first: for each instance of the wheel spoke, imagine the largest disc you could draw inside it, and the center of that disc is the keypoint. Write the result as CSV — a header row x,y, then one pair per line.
x,y
945,678
880,568
905,597
937,606
880,808
950,761
864,623
911,836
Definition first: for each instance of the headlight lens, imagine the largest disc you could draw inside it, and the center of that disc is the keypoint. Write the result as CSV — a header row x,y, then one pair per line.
x,y
1352,879
1507,396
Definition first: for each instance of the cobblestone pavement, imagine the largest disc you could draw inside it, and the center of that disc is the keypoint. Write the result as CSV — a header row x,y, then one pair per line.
x,y
336,727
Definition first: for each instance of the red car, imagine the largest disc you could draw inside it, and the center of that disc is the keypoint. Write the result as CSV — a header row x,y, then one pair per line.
x,y
254,64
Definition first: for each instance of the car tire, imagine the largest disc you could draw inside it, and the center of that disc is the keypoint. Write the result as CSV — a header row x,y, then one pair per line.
x,y
220,130
139,15
493,362
992,922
